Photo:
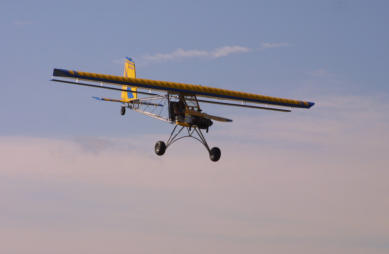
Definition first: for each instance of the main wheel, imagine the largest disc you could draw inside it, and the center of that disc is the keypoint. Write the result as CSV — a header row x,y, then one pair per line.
x,y
160,148
123,111
215,154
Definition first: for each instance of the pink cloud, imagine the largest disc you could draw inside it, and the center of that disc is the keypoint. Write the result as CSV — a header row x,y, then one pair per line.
x,y
311,181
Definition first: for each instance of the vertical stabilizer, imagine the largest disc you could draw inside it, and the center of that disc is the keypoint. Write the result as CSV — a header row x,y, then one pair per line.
x,y
129,71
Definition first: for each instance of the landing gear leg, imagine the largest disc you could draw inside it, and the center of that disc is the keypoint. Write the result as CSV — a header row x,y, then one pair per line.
x,y
192,132
123,110
214,152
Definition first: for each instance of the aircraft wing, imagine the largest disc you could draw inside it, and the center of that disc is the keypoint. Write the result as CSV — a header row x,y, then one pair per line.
x,y
181,88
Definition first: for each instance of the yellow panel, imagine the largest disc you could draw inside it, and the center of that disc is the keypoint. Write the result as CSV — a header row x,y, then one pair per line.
x,y
129,71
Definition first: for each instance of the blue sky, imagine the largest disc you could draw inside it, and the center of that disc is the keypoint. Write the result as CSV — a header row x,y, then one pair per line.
x,y
344,38
88,173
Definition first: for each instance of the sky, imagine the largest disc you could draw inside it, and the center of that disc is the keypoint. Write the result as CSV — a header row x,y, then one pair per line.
x,y
76,177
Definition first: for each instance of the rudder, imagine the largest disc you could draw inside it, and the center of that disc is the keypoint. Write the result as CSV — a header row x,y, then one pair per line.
x,y
129,72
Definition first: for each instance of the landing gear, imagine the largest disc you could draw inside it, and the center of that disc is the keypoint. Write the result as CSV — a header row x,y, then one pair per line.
x,y
214,154
123,110
160,148
192,132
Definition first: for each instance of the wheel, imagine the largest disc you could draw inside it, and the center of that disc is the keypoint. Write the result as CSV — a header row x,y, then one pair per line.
x,y
215,154
123,111
160,148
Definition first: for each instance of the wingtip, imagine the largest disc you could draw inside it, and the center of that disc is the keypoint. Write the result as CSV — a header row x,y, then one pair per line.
x,y
62,73
96,98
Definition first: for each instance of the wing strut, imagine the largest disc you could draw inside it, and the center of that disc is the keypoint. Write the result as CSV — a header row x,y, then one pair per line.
x,y
242,105
100,86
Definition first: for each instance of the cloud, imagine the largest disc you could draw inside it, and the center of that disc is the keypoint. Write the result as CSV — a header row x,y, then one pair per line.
x,y
320,171
176,54
269,45
195,53
181,54
332,123
228,50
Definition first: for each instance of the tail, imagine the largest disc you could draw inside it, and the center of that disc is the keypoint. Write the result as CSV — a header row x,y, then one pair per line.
x,y
129,71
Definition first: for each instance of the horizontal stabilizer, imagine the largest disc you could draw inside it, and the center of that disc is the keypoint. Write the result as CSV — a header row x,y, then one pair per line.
x,y
133,101
107,99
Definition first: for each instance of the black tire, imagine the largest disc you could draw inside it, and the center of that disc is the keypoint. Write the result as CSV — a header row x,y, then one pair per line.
x,y
123,111
215,154
160,148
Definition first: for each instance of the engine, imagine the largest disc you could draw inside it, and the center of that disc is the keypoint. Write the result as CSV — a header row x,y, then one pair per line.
x,y
200,122
177,113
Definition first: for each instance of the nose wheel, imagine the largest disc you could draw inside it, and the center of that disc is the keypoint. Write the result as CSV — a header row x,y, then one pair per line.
x,y
160,146
123,111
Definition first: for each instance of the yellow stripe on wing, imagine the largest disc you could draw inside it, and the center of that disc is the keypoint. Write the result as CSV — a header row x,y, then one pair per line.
x,y
182,88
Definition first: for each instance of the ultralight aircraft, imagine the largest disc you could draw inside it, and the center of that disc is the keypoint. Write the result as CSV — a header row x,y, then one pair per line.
x,y
175,103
